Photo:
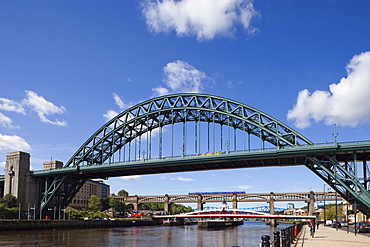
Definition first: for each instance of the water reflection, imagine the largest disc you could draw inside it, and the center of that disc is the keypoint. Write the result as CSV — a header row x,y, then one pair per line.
x,y
248,235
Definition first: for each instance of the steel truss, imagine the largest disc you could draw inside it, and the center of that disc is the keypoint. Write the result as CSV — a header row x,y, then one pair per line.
x,y
57,192
344,179
181,108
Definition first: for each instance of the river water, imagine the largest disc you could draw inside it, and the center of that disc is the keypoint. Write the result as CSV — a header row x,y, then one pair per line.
x,y
247,235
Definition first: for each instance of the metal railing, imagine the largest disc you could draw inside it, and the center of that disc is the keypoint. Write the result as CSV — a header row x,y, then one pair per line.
x,y
288,236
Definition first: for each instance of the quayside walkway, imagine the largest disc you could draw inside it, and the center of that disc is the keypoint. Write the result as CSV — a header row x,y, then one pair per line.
x,y
330,237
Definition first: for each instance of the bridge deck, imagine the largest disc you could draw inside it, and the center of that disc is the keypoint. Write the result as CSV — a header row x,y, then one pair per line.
x,y
265,158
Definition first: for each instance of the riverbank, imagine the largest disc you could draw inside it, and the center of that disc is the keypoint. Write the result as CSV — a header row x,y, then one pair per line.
x,y
17,225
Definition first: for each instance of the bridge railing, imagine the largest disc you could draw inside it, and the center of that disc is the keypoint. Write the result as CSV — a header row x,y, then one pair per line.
x,y
288,236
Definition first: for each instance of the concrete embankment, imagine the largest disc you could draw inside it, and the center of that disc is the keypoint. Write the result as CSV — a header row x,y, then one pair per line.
x,y
15,225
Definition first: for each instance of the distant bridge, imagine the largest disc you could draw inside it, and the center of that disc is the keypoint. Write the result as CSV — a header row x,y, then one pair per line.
x,y
309,197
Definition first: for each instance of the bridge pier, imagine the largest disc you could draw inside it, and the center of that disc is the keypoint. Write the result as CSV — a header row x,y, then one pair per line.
x,y
167,205
200,202
273,222
311,204
135,203
235,201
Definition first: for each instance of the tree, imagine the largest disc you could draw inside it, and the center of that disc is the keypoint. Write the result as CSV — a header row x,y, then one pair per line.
x,y
9,201
175,208
94,203
178,208
122,193
330,212
105,202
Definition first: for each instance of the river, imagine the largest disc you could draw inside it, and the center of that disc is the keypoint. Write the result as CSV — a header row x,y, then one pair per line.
x,y
247,235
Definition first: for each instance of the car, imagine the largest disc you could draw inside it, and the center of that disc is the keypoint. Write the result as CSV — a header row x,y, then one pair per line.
x,y
336,224
343,223
363,226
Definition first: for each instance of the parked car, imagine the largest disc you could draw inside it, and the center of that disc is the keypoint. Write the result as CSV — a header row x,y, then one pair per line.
x,y
363,226
343,223
335,224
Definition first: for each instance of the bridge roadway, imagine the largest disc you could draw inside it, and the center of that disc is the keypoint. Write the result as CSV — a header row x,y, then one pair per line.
x,y
289,156
309,197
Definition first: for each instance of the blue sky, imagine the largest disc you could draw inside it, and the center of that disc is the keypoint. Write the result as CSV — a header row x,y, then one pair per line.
x,y
68,66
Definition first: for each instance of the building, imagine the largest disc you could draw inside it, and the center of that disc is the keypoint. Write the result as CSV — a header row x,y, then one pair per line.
x,y
91,187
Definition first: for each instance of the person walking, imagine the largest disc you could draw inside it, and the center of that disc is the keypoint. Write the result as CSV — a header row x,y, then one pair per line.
x,y
312,229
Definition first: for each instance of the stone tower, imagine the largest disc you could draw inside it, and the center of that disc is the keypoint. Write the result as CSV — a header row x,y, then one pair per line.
x,y
18,181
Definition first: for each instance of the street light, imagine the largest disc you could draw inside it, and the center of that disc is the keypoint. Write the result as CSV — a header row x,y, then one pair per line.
x,y
324,207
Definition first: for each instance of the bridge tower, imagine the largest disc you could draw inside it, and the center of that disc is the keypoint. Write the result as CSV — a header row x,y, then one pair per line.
x,y
18,181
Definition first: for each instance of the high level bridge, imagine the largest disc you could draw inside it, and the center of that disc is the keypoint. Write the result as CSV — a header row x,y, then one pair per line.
x,y
194,132
309,197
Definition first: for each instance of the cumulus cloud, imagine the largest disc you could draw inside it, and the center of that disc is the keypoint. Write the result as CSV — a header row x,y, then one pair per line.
x,y
345,104
109,115
43,108
11,105
132,177
120,103
243,187
203,18
7,122
36,103
182,179
10,143
181,77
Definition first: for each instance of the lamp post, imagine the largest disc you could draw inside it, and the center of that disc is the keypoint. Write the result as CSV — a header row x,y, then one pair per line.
x,y
324,207
336,202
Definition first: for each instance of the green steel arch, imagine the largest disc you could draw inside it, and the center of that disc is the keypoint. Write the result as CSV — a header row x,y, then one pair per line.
x,y
176,108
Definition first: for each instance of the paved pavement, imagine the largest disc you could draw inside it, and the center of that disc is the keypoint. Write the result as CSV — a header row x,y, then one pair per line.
x,y
330,237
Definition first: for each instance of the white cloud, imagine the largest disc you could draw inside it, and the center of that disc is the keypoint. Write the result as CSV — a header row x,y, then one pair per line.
x,y
110,114
120,103
2,164
132,177
7,122
11,143
345,104
11,105
243,187
203,18
181,77
43,107
183,179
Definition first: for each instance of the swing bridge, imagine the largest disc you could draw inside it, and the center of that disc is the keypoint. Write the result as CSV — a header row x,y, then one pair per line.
x,y
195,132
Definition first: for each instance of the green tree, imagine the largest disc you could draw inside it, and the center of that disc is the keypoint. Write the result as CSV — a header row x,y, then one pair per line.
x,y
330,211
122,193
178,208
118,206
9,201
105,202
153,206
8,213
94,203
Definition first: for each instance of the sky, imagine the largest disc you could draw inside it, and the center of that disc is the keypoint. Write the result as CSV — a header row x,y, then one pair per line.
x,y
67,67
